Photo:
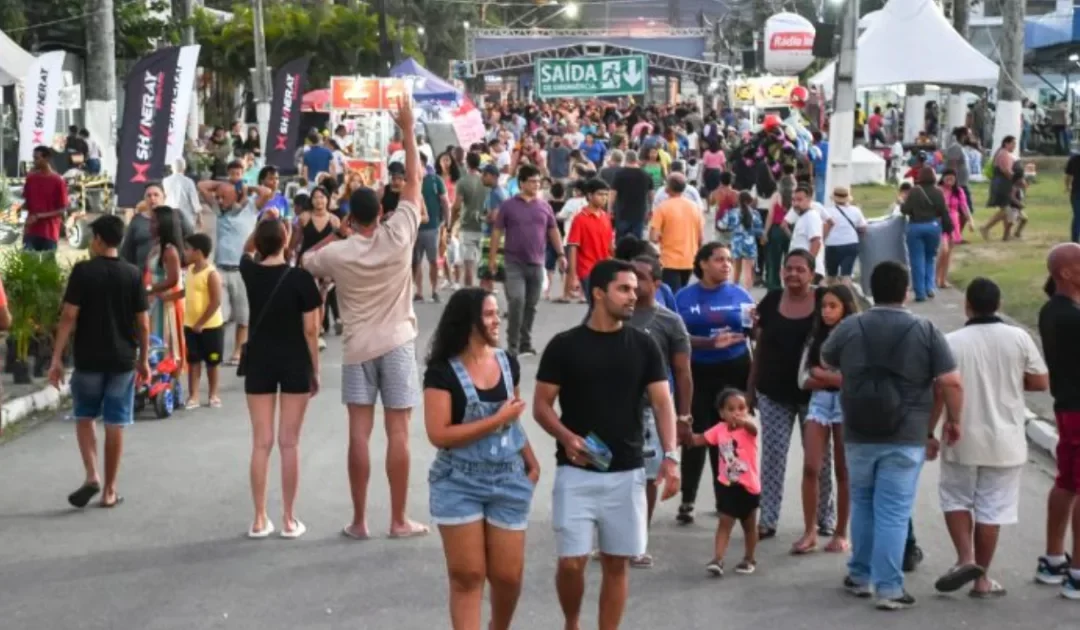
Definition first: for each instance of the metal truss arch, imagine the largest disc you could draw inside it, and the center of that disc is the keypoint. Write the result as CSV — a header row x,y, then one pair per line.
x,y
520,63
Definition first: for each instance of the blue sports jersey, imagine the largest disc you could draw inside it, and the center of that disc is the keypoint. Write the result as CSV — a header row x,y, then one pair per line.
x,y
709,312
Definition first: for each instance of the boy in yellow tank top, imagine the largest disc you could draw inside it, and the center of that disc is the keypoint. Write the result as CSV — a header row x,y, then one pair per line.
x,y
204,327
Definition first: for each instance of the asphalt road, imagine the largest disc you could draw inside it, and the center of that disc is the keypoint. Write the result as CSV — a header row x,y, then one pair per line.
x,y
174,556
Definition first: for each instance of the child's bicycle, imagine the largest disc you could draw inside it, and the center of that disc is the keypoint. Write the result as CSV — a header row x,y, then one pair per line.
x,y
164,391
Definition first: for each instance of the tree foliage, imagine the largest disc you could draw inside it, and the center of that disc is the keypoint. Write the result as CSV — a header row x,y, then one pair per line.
x,y
61,25
341,40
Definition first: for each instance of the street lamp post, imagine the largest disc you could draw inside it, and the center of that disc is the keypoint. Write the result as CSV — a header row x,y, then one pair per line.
x,y
261,78
842,121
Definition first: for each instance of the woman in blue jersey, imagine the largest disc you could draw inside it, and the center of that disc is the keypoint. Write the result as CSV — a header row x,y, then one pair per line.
x,y
712,310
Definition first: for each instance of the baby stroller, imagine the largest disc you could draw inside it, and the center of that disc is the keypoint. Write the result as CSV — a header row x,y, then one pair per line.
x,y
164,389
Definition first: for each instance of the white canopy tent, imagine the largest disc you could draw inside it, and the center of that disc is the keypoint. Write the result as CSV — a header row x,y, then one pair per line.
x,y
867,167
14,61
911,41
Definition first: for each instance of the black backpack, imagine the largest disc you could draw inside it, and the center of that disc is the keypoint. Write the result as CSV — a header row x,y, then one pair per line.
x,y
872,402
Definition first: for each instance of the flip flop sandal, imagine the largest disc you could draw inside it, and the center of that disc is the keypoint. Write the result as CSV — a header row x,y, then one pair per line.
x,y
957,577
81,497
261,533
745,567
415,530
192,404
215,403
715,568
685,515
109,506
837,546
232,362
803,549
298,530
644,561
765,533
351,535
996,591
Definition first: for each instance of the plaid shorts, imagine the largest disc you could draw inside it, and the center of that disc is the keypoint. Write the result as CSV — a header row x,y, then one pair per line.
x,y
393,375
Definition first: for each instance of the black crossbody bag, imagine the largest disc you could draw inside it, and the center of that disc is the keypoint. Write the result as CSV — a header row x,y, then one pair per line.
x,y
241,368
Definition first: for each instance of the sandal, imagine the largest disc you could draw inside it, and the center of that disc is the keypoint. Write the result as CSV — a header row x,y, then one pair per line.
x,y
644,561
261,533
765,533
804,546
215,403
192,404
838,544
298,530
685,515
81,497
350,534
233,362
413,530
117,501
746,567
996,590
715,568
957,577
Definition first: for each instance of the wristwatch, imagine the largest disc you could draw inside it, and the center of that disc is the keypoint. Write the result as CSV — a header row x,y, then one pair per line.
x,y
687,419
672,455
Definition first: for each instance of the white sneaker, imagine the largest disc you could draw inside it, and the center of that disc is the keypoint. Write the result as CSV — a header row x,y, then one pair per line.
x,y
322,344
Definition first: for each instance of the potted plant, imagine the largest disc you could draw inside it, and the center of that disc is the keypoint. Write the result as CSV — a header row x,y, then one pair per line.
x,y
34,284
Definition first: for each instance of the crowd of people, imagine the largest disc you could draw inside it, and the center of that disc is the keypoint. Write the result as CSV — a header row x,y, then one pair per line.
x,y
674,364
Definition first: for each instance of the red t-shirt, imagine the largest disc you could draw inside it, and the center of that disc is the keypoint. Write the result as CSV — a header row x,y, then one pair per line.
x,y
875,122
592,234
45,192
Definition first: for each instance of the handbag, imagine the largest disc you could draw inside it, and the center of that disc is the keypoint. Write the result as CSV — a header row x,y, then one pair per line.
x,y
946,220
241,367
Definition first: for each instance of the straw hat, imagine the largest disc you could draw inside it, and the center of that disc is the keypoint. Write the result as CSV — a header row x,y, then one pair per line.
x,y
840,194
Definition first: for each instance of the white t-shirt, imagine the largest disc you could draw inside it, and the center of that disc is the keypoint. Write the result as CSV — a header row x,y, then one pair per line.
x,y
842,232
571,209
574,140
808,227
993,359
690,193
791,217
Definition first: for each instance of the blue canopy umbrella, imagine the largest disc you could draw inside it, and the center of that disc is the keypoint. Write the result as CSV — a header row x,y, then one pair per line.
x,y
427,86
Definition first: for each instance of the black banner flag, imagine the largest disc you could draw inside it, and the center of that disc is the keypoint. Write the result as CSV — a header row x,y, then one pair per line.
x,y
144,132
284,126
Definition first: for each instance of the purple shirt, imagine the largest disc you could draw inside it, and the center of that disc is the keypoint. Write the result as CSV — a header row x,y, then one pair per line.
x,y
525,225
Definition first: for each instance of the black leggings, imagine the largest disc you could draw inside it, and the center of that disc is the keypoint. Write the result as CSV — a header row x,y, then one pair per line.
x,y
331,307
709,380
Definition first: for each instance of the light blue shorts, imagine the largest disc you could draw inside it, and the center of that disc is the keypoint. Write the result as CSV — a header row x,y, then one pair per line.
x,y
610,505
463,492
825,408
106,395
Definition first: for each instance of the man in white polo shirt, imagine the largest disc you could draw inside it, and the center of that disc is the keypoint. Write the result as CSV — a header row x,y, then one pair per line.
x,y
980,473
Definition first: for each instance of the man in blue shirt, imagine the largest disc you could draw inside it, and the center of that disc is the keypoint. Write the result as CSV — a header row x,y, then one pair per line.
x,y
317,159
820,160
437,205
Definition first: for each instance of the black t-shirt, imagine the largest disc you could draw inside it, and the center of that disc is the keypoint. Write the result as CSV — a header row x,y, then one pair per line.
x,y
602,379
109,293
1059,327
441,376
1072,169
631,186
278,336
780,349
556,207
742,173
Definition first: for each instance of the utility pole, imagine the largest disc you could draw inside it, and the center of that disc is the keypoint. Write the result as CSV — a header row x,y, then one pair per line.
x,y
842,121
261,79
101,80
184,11
957,111
1011,69
386,53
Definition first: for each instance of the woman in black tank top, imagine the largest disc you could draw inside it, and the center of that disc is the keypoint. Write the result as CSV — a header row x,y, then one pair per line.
x,y
310,236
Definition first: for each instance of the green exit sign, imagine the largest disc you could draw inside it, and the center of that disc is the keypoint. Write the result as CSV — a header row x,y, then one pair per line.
x,y
585,77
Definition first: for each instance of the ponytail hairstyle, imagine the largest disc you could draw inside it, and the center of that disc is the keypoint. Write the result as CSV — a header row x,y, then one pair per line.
x,y
746,210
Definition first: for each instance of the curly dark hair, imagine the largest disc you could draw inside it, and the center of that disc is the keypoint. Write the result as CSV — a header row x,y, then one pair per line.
x,y
462,316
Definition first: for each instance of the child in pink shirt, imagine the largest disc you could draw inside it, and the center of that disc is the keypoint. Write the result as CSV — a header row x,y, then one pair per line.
x,y
736,437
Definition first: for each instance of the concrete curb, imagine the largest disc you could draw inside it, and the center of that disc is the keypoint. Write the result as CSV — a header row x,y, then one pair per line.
x,y
46,399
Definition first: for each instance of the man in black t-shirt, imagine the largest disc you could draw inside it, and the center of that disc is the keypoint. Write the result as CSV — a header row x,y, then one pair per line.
x,y
106,306
1059,327
600,373
1072,186
631,197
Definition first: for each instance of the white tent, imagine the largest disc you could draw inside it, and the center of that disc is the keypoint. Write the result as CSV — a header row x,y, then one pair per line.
x,y
14,61
911,41
867,167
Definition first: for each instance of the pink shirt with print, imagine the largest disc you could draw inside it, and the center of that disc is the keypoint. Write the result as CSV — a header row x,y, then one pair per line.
x,y
738,456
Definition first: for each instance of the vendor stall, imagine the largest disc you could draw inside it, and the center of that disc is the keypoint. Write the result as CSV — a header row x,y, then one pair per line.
x,y
363,106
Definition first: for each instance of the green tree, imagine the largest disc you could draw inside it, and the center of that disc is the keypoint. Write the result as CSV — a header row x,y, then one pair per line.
x,y
61,25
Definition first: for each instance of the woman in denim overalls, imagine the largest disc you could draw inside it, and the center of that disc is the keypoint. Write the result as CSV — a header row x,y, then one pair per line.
x,y
483,477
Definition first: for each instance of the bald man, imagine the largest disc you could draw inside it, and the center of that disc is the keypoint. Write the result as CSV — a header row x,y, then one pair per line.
x,y
1059,327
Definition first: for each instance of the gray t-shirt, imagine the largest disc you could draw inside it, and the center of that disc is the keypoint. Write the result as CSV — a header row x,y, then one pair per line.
x,y
910,346
666,328
956,159
473,195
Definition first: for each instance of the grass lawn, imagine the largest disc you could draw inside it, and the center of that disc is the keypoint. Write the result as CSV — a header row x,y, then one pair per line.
x,y
1019,267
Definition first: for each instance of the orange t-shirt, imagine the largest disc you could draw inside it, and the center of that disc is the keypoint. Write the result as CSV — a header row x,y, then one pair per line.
x,y
680,224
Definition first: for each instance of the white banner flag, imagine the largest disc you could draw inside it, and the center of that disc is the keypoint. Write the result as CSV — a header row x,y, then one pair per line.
x,y
41,99
184,94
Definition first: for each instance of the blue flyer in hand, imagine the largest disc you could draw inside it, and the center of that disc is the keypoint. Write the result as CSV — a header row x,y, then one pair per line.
x,y
598,452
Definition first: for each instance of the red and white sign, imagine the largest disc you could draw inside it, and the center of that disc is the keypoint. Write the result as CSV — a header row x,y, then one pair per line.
x,y
789,45
41,98
468,124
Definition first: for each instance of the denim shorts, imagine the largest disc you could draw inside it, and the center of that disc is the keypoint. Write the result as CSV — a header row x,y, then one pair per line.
x,y
106,395
463,492
825,408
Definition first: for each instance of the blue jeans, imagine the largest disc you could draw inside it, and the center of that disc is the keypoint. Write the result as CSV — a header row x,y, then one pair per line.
x,y
884,479
819,187
624,227
1076,220
923,240
33,243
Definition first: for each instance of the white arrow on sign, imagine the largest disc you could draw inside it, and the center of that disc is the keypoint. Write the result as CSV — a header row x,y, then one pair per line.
x,y
632,76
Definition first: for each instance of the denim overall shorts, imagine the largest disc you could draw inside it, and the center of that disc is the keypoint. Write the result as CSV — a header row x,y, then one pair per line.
x,y
484,480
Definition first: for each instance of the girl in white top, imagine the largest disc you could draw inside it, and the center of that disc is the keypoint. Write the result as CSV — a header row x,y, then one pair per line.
x,y
844,225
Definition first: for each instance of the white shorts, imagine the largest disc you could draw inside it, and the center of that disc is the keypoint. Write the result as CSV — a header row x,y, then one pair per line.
x,y
234,301
991,493
470,246
609,504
